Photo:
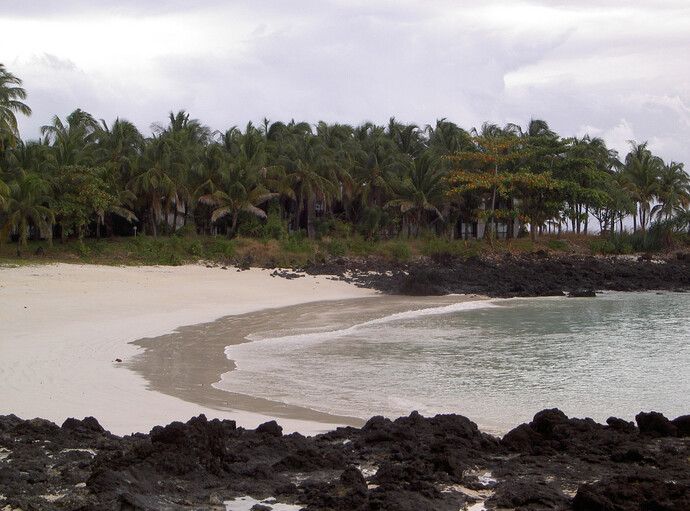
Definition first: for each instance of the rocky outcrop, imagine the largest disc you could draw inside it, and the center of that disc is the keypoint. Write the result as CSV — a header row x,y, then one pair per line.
x,y
510,276
416,463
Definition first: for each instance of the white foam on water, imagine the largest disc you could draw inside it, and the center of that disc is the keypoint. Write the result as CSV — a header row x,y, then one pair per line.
x,y
399,316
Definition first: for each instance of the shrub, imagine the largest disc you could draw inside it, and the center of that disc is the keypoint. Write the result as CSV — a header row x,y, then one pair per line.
x,y
358,245
602,246
82,250
337,248
296,242
557,245
439,246
224,248
275,227
400,251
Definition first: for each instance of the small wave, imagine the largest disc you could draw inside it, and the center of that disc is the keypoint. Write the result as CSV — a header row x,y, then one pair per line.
x,y
399,316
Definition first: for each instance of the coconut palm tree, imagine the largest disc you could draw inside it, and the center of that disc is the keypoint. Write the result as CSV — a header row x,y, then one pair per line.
x,y
375,163
310,168
642,171
674,191
154,184
72,141
241,191
422,188
407,137
447,138
119,146
27,207
11,94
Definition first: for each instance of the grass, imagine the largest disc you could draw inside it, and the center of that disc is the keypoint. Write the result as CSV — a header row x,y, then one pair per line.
x,y
297,250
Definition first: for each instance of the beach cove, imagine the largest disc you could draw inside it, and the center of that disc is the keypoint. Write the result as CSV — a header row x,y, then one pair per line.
x,y
139,347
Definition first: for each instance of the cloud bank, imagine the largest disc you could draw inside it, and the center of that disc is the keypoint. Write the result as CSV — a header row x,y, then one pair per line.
x,y
609,68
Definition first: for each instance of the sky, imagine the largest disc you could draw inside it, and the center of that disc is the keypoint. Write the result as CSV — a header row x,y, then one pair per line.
x,y
616,69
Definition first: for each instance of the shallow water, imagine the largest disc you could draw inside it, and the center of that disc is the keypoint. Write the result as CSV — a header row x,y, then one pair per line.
x,y
495,361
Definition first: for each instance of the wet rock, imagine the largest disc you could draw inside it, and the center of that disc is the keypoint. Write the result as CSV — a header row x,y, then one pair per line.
x,y
582,293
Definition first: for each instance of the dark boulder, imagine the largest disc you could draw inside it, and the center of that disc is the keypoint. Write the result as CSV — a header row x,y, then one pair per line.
x,y
682,425
270,428
655,424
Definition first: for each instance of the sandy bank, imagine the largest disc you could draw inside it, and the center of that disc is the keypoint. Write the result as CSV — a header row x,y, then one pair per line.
x,y
63,327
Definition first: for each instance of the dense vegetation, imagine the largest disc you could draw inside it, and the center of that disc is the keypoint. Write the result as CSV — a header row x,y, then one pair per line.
x,y
293,182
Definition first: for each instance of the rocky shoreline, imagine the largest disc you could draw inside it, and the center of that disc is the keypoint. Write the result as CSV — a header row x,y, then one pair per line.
x,y
412,463
537,274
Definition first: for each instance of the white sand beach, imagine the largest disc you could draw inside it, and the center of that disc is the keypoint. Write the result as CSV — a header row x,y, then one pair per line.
x,y
63,327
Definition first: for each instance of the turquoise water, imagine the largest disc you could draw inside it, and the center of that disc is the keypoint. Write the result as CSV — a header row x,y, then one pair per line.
x,y
496,361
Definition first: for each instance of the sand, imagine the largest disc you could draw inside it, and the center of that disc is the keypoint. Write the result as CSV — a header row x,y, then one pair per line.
x,y
63,327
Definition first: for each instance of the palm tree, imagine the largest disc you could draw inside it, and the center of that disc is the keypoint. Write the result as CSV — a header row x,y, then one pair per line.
x,y
184,140
674,191
310,169
642,171
11,94
420,189
407,137
72,141
240,191
26,206
119,146
154,185
447,138
376,162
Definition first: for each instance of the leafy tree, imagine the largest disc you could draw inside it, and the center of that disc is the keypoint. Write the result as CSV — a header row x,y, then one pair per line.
x,y
482,170
85,196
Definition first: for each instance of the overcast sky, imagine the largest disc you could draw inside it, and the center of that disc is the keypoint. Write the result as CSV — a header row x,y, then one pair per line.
x,y
615,69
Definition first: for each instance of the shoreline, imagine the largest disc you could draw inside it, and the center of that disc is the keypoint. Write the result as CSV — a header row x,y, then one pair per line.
x,y
197,352
65,326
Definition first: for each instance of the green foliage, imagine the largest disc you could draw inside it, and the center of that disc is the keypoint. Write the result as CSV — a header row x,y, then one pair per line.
x,y
249,226
331,227
224,248
400,251
360,246
81,249
296,242
613,244
557,245
439,246
83,195
274,227
373,220
337,248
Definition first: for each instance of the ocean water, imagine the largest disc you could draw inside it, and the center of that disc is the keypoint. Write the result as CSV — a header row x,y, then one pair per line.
x,y
497,362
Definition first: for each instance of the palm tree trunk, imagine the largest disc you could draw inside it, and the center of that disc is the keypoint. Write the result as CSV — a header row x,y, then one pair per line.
x,y
174,227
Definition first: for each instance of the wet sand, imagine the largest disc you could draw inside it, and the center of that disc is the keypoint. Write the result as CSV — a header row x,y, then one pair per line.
x,y
187,363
